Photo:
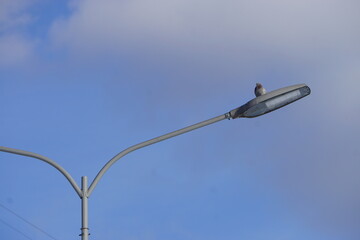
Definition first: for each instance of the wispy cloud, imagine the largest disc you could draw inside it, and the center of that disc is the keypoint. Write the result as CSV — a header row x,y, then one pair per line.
x,y
13,13
212,40
309,28
217,39
15,48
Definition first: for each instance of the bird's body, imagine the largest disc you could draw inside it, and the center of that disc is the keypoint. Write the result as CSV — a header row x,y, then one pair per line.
x,y
259,90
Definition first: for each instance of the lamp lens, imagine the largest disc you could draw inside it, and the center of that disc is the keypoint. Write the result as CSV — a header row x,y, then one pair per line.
x,y
276,102
282,100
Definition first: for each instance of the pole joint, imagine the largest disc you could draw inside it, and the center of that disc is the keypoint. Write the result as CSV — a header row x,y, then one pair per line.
x,y
83,230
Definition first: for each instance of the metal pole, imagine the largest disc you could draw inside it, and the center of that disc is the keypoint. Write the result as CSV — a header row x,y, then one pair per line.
x,y
84,209
47,160
152,141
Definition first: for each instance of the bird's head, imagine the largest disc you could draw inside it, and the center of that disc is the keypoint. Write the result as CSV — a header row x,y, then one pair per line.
x,y
258,85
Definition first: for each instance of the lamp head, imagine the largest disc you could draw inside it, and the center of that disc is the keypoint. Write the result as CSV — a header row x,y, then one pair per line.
x,y
271,101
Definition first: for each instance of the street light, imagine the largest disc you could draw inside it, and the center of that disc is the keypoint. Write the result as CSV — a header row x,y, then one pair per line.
x,y
254,108
271,101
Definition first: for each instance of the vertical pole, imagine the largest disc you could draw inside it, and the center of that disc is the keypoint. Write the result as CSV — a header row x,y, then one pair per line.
x,y
84,209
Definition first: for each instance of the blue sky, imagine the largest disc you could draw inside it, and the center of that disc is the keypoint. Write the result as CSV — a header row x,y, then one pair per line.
x,y
82,80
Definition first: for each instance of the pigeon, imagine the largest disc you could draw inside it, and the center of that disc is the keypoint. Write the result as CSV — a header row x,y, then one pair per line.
x,y
259,90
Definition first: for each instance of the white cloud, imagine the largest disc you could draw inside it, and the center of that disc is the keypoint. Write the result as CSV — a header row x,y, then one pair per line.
x,y
14,49
318,39
294,28
212,40
13,14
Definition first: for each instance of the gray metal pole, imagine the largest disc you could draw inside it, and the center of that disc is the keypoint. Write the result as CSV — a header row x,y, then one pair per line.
x,y
84,209
152,141
47,160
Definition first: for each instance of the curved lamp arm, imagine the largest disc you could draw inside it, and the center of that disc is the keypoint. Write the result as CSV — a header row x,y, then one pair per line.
x,y
150,142
47,160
